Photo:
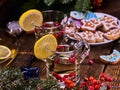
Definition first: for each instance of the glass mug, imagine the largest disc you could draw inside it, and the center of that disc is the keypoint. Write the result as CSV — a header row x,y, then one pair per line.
x,y
64,64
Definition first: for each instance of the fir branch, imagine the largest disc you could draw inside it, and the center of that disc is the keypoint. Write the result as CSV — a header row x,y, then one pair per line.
x,y
86,5
49,2
79,5
82,5
65,1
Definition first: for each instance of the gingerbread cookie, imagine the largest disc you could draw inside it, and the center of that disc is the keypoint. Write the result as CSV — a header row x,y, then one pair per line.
x,y
90,15
99,36
88,36
112,34
109,22
90,25
76,15
113,58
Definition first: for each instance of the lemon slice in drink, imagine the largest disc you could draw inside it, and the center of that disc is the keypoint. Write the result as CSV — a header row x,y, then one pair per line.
x,y
29,19
5,52
45,46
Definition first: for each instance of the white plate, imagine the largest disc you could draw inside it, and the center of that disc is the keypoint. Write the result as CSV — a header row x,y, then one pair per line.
x,y
99,15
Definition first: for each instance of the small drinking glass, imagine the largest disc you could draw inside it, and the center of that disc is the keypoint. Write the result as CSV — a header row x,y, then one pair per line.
x,y
52,21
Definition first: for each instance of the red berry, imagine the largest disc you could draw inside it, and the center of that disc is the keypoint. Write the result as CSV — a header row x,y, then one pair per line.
x,y
102,79
90,62
44,25
59,48
91,88
108,79
72,74
56,23
94,81
60,33
83,83
102,75
68,81
91,78
63,78
57,76
108,87
72,59
72,85
97,87
66,76
56,60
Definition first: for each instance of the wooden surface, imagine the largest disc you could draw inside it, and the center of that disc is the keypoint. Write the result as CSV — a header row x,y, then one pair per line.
x,y
25,53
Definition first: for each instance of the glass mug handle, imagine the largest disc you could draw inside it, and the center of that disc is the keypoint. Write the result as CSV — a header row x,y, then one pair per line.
x,y
85,53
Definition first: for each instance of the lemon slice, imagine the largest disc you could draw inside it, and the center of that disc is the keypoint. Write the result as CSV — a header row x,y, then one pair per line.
x,y
45,46
5,52
29,19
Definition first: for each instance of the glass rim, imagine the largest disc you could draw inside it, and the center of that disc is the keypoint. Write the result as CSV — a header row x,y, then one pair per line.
x,y
55,11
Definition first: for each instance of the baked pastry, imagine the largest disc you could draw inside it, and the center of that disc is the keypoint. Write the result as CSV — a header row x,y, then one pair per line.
x,y
112,34
76,15
99,36
90,15
109,22
90,25
88,36
113,58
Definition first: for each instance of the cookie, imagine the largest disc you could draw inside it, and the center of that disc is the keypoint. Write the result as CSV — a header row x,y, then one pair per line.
x,y
90,25
109,22
112,34
90,15
113,58
88,36
99,36
76,15
74,22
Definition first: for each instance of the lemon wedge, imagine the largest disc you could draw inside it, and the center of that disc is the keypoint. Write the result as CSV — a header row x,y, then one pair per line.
x,y
45,46
5,52
29,19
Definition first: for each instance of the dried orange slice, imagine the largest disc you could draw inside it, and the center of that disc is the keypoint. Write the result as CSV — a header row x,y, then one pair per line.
x,y
45,46
29,19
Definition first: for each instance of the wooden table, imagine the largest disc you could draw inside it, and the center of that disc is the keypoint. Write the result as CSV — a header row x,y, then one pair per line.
x,y
25,52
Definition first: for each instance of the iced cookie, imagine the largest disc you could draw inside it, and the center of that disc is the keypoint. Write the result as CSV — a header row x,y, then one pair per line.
x,y
112,34
90,15
90,25
99,36
74,22
109,22
113,58
88,36
76,15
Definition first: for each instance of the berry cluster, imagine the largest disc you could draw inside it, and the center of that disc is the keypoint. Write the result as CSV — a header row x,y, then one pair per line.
x,y
66,79
56,25
58,58
92,84
71,60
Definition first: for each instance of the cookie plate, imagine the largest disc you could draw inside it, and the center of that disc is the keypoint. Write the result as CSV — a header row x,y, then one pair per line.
x,y
99,15
105,40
